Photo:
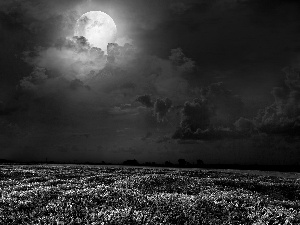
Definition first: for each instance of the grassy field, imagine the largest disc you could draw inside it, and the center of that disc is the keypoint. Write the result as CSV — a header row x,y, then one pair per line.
x,y
61,194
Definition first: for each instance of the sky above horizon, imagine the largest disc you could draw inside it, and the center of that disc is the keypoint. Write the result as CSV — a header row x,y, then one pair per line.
x,y
216,80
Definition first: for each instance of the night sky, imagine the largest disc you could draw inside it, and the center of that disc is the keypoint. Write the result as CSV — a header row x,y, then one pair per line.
x,y
216,80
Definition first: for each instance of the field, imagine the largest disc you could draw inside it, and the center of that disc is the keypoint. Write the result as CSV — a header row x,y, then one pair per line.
x,y
76,194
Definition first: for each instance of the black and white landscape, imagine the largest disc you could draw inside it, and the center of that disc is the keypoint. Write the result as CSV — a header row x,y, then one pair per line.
x,y
205,84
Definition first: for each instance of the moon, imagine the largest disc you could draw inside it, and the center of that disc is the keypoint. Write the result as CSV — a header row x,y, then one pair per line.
x,y
98,28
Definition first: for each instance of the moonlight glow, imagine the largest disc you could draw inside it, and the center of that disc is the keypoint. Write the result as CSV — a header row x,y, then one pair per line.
x,y
98,28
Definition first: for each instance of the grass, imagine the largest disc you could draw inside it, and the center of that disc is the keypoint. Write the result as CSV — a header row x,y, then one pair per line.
x,y
45,194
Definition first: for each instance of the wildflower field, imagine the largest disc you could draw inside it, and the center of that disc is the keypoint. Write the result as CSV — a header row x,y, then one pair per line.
x,y
82,194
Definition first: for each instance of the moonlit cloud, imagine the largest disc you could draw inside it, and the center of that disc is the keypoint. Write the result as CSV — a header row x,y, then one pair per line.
x,y
69,58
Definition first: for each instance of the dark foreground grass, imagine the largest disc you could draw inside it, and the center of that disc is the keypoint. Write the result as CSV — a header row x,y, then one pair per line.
x,y
45,194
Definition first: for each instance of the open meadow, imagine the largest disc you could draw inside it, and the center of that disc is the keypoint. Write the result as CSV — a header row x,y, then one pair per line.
x,y
79,194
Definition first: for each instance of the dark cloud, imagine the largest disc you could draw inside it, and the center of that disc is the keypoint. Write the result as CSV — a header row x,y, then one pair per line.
x,y
145,100
37,77
226,106
120,55
245,125
179,60
161,108
206,118
76,43
148,135
209,134
195,115
77,84
163,139
283,116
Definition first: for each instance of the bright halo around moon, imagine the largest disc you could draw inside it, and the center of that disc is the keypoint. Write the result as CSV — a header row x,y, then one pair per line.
x,y
98,28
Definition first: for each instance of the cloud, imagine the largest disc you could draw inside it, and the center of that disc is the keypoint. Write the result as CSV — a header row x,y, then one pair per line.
x,y
209,134
179,60
120,55
124,40
131,110
215,134
245,125
77,84
222,108
145,100
69,57
118,77
283,116
113,80
37,77
207,117
147,136
226,106
195,115
161,108
76,43
42,21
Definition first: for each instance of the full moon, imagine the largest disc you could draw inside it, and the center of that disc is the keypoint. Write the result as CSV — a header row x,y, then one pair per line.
x,y
98,28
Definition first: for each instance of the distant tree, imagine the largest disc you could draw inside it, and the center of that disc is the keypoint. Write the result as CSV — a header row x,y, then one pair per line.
x,y
131,162
168,163
182,162
199,162
150,164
